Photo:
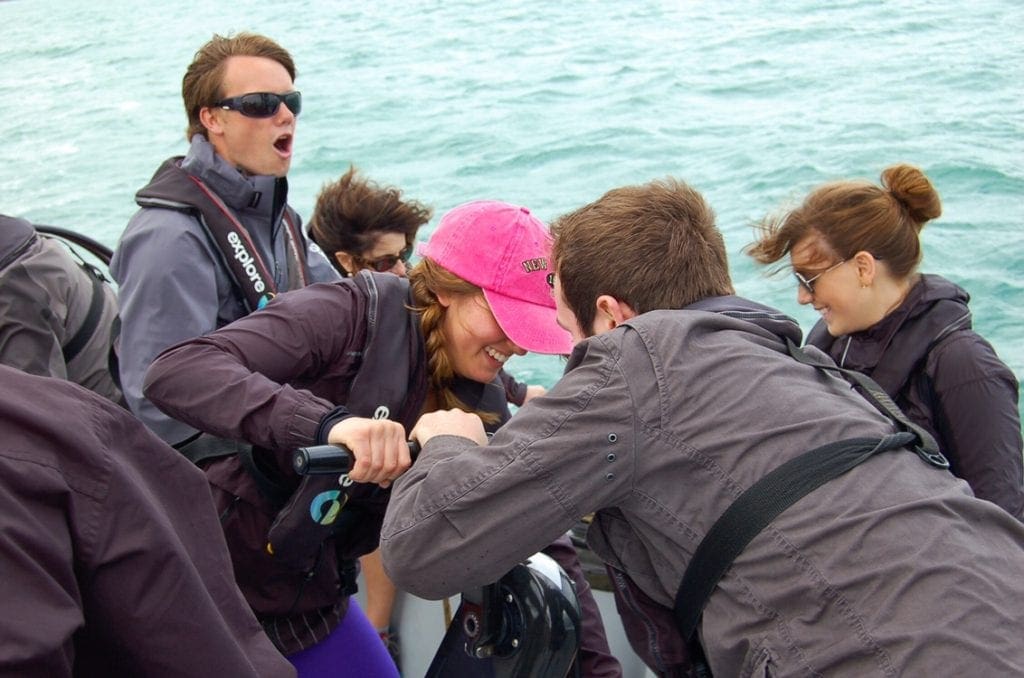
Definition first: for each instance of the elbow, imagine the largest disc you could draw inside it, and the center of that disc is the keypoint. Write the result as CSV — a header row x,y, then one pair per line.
x,y
160,375
411,574
154,379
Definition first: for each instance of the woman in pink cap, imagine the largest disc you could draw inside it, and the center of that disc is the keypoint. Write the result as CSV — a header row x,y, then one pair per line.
x,y
357,362
361,224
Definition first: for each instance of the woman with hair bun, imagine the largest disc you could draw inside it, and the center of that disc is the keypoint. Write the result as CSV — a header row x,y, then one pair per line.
x,y
854,248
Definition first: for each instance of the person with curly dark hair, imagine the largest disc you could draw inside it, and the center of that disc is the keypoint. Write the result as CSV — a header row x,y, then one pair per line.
x,y
361,224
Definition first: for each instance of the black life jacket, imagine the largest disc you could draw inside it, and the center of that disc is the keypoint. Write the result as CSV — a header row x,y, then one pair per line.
x,y
390,384
173,188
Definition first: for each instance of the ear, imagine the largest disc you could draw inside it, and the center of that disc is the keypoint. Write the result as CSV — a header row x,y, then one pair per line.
x,y
210,117
443,298
611,313
346,262
867,267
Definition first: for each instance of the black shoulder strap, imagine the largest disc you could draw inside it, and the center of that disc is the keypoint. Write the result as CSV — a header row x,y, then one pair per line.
x,y
92,318
88,327
174,188
766,499
924,445
758,506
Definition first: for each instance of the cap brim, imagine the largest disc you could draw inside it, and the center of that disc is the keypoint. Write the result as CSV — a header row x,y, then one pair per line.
x,y
530,326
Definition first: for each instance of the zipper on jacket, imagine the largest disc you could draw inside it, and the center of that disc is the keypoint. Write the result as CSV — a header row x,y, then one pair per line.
x,y
652,634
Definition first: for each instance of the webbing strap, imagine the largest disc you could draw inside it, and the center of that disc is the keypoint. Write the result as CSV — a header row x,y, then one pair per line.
x,y
91,322
925,445
762,502
758,506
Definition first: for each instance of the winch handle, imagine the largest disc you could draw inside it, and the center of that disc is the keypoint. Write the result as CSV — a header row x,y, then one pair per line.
x,y
331,459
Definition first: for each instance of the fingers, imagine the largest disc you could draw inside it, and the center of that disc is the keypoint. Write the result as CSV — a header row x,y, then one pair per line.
x,y
449,422
378,445
533,391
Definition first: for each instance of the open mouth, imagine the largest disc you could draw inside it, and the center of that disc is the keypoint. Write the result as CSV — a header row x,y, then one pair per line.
x,y
283,144
500,357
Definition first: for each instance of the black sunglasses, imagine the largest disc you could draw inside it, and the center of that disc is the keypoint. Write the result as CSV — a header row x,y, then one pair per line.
x,y
387,262
262,104
808,283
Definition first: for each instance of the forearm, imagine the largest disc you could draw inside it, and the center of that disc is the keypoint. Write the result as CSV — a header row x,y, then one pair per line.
x,y
441,519
205,385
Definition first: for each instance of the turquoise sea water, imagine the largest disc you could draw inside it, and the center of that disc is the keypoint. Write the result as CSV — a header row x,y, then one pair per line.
x,y
551,104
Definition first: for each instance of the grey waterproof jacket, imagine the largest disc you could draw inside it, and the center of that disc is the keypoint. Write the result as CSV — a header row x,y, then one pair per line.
x,y
44,301
173,284
893,569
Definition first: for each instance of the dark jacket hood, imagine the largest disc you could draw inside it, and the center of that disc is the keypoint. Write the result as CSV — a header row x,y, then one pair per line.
x,y
891,349
238,190
765,318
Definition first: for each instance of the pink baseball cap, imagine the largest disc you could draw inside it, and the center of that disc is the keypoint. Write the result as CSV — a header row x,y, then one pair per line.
x,y
506,251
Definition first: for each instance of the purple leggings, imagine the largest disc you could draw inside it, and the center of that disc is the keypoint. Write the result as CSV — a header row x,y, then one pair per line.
x,y
353,649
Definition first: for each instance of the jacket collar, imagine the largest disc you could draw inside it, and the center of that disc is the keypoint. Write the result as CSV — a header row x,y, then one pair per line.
x,y
765,317
890,350
239,191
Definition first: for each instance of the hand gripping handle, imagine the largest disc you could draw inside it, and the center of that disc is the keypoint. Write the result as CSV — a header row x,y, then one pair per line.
x,y
331,459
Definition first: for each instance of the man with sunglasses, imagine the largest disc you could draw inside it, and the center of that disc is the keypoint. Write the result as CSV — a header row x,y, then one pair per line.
x,y
215,238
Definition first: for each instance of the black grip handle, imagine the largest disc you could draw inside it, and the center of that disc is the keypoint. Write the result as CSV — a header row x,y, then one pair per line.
x,y
331,459
323,460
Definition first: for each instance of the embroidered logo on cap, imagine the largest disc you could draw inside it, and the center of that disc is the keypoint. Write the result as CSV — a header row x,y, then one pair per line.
x,y
537,264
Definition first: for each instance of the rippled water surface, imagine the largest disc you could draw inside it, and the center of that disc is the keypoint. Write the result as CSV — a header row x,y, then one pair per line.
x,y
551,104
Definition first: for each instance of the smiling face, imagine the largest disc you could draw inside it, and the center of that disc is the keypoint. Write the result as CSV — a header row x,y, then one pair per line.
x,y
258,146
838,293
476,345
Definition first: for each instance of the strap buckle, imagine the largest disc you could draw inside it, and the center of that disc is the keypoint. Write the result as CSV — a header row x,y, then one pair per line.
x,y
932,457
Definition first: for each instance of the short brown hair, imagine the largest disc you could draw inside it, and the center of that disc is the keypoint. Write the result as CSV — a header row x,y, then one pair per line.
x,y
201,86
351,212
855,216
653,246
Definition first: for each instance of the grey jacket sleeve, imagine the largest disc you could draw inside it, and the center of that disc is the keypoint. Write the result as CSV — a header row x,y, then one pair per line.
x,y
31,329
168,292
464,515
320,269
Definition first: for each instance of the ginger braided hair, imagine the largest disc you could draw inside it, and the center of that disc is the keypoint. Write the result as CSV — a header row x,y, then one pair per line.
x,y
427,279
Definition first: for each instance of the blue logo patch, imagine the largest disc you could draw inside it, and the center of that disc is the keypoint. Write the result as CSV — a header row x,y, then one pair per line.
x,y
325,507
